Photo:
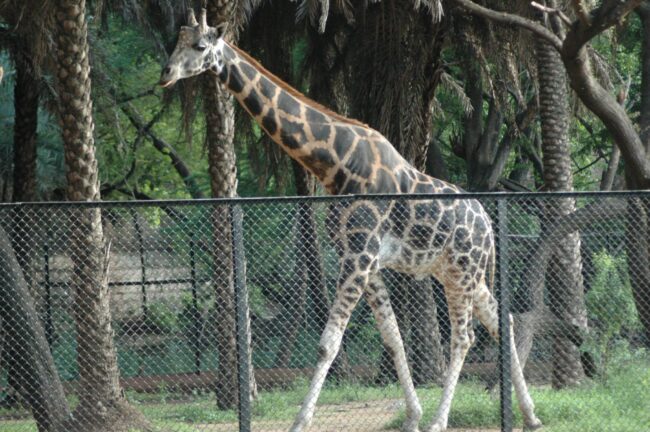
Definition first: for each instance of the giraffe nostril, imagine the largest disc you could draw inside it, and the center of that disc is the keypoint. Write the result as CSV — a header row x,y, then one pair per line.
x,y
167,70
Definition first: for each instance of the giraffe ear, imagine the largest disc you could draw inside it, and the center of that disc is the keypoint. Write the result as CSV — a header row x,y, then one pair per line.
x,y
222,29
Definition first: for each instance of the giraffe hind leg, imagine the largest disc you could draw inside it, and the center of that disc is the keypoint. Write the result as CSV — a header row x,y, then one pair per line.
x,y
486,310
378,299
460,316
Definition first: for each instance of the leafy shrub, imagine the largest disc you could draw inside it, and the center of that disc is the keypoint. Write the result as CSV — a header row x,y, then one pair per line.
x,y
611,309
161,318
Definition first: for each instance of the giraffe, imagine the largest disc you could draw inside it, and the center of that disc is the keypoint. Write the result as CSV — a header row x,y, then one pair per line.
x,y
449,239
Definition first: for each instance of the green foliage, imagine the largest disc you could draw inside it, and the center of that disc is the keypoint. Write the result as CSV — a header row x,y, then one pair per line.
x,y
49,164
161,318
611,307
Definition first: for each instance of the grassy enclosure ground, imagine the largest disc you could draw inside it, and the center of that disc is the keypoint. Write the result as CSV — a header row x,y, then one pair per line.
x,y
618,402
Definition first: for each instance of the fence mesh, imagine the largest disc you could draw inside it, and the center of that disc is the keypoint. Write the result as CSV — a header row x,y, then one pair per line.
x,y
123,316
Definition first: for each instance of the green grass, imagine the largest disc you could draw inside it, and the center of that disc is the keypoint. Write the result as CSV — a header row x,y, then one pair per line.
x,y
621,403
618,403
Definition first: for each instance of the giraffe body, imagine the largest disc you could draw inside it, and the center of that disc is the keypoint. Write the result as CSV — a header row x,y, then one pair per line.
x,y
449,239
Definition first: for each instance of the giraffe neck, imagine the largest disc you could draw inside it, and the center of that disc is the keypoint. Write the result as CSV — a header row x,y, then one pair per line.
x,y
335,149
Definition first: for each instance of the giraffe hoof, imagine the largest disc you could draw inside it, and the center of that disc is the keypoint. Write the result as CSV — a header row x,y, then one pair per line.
x,y
530,426
299,426
436,427
410,426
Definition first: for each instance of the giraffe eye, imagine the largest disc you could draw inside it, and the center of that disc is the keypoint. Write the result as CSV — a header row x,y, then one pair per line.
x,y
199,46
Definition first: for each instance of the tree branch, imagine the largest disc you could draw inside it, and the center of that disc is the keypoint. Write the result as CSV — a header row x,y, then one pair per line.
x,y
163,147
565,19
582,12
108,187
608,14
511,19
609,174
130,98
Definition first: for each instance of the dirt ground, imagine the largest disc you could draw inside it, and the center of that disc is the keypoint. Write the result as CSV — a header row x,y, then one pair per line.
x,y
371,416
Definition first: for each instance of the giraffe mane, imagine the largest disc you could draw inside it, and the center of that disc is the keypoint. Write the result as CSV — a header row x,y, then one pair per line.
x,y
295,93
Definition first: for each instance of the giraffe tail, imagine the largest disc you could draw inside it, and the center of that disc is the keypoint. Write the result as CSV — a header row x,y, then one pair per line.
x,y
493,265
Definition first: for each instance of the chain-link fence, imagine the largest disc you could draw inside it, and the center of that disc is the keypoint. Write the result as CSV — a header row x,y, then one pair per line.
x,y
153,316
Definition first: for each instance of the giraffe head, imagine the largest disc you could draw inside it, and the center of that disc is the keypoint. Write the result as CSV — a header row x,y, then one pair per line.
x,y
198,49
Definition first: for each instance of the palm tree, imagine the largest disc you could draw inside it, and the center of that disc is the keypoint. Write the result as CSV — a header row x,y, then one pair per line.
x,y
564,271
220,133
102,405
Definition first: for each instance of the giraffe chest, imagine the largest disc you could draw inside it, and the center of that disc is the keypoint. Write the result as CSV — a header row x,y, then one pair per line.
x,y
415,236
397,253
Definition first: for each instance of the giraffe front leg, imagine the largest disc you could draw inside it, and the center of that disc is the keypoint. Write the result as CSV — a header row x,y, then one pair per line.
x,y
348,292
379,301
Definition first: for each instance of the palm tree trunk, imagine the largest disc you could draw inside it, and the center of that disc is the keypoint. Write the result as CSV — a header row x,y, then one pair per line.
x,y
102,405
220,123
563,276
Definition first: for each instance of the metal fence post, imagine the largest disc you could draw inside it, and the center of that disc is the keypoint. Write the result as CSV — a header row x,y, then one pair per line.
x,y
504,317
241,306
49,324
143,266
196,316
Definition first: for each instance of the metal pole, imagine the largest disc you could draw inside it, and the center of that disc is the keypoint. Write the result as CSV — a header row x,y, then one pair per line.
x,y
143,267
241,306
196,316
504,317
49,325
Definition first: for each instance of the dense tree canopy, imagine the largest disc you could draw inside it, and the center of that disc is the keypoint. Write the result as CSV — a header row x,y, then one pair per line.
x,y
151,142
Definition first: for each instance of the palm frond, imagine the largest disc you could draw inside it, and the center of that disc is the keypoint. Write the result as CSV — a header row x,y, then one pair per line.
x,y
454,87
434,7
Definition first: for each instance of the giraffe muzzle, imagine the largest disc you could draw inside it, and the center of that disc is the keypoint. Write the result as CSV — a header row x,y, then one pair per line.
x,y
166,79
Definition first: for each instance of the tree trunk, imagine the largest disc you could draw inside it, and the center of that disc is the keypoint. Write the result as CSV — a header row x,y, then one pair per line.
x,y
638,228
644,117
395,53
481,136
637,249
25,123
220,123
32,363
304,238
26,96
563,275
483,148
429,363
102,405
310,279
435,164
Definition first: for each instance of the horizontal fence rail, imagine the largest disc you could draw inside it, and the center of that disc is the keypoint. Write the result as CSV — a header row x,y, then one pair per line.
x,y
206,315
